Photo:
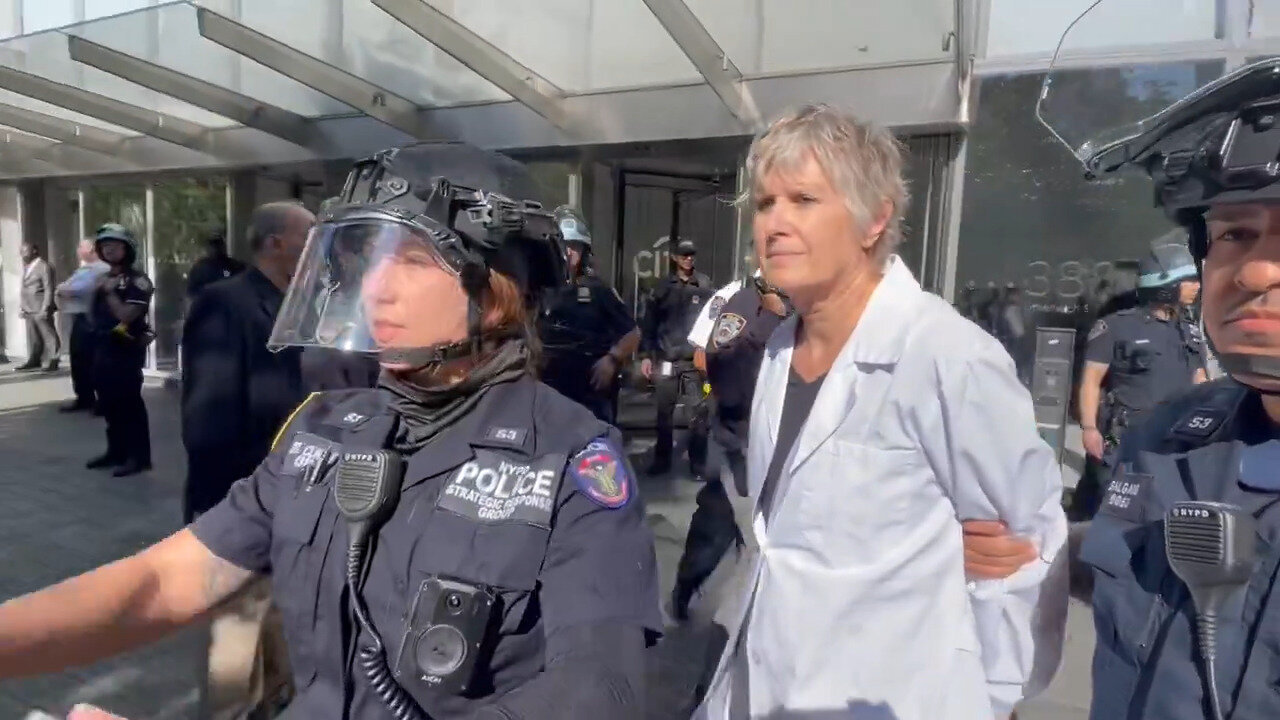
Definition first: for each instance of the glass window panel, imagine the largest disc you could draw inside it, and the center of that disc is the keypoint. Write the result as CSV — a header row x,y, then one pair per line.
x,y
124,204
186,211
597,43
40,15
45,54
815,34
1019,27
1030,221
356,36
1264,21
22,101
183,49
102,8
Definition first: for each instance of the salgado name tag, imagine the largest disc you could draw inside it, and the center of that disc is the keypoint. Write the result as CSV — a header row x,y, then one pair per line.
x,y
493,488
1124,497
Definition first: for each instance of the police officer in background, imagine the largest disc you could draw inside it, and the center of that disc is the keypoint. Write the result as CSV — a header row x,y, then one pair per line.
x,y
1211,157
730,337
121,337
462,541
1141,355
668,363
586,330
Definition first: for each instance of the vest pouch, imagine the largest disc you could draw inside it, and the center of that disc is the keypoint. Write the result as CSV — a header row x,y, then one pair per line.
x,y
1136,358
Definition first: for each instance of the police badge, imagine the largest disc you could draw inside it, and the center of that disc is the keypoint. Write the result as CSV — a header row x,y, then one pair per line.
x,y
727,328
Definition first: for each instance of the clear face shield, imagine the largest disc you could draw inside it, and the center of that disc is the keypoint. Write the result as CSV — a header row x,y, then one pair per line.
x,y
349,268
1103,114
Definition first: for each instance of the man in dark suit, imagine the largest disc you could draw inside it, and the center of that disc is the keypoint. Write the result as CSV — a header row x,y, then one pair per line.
x,y
37,309
236,395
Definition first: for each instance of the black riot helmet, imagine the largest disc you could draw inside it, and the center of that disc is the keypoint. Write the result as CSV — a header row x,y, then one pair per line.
x,y
473,211
116,232
1217,145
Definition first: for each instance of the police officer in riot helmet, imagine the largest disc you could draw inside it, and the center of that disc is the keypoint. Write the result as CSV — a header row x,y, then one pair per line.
x,y
1135,358
1194,496
587,332
460,542
119,317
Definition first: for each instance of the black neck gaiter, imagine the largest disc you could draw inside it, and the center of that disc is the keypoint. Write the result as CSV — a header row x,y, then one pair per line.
x,y
424,412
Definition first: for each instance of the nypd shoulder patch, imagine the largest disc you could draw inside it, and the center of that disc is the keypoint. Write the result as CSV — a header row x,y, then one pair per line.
x,y
143,283
602,475
728,327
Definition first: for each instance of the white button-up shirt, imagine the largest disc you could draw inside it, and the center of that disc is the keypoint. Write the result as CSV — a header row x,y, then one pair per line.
x,y
858,606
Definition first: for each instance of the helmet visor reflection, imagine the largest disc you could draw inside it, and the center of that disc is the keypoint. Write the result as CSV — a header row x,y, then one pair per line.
x,y
342,265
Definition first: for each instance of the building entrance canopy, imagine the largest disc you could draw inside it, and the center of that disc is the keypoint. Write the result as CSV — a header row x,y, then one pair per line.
x,y
226,83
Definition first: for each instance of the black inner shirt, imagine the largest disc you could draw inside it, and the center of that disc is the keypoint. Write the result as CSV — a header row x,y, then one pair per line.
x,y
797,402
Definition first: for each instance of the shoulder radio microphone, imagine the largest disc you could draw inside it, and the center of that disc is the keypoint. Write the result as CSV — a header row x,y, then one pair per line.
x,y
1211,547
365,489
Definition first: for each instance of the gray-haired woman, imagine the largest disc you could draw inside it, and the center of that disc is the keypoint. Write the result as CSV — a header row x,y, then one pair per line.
x,y
881,420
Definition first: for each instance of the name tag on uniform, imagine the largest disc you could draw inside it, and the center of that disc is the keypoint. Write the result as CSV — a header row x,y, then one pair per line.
x,y
665,371
306,451
1125,496
584,294
495,488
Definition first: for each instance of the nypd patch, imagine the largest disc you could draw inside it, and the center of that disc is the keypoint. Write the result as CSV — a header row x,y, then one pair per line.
x,y
728,327
143,283
602,475
494,488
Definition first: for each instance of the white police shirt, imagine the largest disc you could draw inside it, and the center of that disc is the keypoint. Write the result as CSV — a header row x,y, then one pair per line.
x,y
857,605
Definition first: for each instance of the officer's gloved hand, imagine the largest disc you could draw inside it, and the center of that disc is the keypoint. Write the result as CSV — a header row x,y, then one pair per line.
x,y
992,553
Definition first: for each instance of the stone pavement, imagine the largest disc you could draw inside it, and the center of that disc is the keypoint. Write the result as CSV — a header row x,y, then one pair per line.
x,y
58,519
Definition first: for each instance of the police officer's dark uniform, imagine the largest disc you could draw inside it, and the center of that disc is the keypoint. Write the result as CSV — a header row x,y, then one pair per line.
x,y
580,323
119,356
1149,358
734,352
515,575
1211,443
673,308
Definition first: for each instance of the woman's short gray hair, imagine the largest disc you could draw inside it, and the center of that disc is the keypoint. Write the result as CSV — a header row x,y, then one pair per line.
x,y
862,161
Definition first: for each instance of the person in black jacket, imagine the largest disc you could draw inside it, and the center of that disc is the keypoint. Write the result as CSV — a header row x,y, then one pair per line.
x,y
214,266
235,395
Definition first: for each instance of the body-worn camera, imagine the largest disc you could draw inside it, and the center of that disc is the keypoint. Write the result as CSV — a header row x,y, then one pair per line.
x,y
443,637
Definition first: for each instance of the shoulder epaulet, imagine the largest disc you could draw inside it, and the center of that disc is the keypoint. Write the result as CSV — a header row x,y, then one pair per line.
x,y
289,420
1205,411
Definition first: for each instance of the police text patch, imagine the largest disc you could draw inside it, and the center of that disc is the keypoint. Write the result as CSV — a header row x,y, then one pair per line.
x,y
601,474
493,487
1124,497
305,451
